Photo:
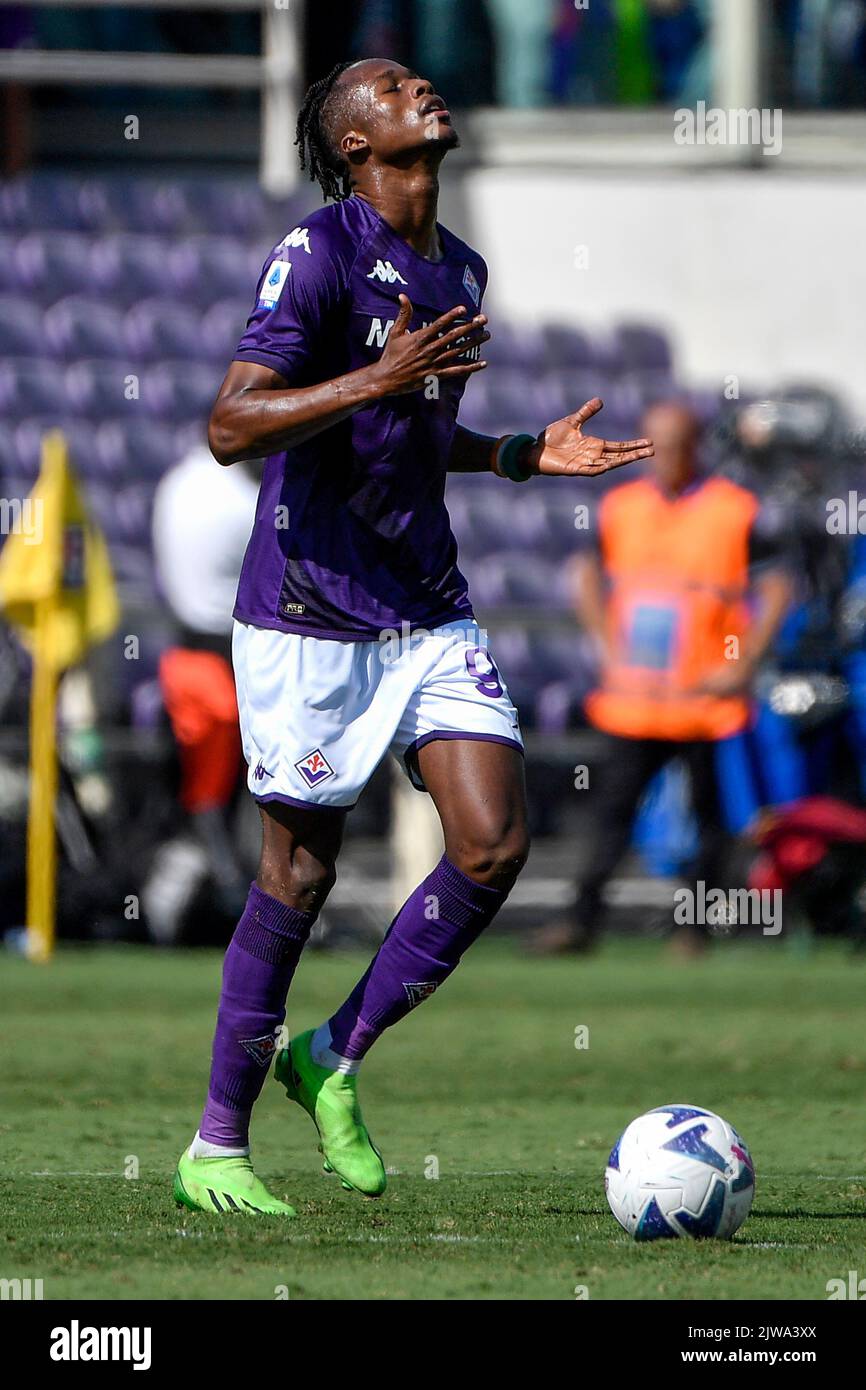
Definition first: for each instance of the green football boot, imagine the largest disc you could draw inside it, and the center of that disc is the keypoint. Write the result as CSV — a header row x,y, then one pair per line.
x,y
331,1101
224,1185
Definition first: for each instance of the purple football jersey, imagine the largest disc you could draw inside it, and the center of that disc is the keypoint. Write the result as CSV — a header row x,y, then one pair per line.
x,y
352,535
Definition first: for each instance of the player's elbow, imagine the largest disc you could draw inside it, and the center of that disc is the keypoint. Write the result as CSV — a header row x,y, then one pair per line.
x,y
223,436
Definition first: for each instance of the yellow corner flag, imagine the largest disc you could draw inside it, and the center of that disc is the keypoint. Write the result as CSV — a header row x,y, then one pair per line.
x,y
57,590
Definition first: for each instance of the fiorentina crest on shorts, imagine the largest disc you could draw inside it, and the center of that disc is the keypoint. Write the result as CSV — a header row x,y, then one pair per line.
x,y
314,768
417,993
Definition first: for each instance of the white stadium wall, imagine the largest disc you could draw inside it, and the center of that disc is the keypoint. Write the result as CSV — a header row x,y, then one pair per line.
x,y
756,275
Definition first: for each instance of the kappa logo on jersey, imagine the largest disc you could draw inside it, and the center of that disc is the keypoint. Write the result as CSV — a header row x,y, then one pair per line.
x,y
298,236
260,1049
472,285
314,768
272,285
417,993
384,271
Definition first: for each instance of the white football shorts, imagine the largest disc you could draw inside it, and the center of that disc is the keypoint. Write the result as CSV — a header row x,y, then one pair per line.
x,y
318,716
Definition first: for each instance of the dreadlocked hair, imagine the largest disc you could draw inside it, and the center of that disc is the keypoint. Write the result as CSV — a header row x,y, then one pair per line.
x,y
315,149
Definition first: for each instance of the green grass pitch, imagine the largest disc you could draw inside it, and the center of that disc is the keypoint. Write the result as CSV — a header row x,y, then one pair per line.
x,y
103,1072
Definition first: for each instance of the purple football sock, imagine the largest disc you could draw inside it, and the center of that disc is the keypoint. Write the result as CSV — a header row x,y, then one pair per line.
x,y
257,971
424,943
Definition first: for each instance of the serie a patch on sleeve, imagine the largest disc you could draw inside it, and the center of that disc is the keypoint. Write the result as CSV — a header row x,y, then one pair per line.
x,y
272,285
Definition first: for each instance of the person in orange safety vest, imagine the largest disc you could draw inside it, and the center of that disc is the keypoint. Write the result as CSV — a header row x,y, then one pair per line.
x,y
684,594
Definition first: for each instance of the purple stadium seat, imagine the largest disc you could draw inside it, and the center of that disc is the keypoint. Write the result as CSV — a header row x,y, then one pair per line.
x,y
192,434
567,529
639,346
9,281
514,345
564,392
280,215
8,453
474,407
30,386
123,512
180,390
483,519
25,440
15,204
134,571
29,434
221,328
100,387
513,393
499,581
52,264
513,652
563,654
208,268
568,347
567,669
126,267
232,207
559,705
159,207
46,201
135,448
79,326
157,328
20,327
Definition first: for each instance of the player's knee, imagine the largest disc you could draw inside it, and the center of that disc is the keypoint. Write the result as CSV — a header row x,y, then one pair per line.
x,y
304,883
495,859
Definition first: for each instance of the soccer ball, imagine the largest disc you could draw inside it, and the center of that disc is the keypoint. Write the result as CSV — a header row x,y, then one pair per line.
x,y
680,1171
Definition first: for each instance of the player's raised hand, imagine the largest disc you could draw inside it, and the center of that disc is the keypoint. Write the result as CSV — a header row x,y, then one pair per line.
x,y
409,360
563,448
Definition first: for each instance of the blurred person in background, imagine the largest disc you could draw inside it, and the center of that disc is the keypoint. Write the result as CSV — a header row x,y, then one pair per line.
x,y
828,51
629,51
202,519
666,595
520,35
810,729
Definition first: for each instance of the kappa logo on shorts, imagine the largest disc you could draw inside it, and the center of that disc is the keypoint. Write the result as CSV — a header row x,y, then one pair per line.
x,y
261,771
260,1049
417,993
314,768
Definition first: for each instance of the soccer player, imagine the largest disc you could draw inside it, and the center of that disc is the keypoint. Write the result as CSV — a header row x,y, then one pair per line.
x,y
354,632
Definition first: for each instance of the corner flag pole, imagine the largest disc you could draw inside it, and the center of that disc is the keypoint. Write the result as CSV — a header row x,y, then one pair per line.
x,y
41,836
58,590
41,840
